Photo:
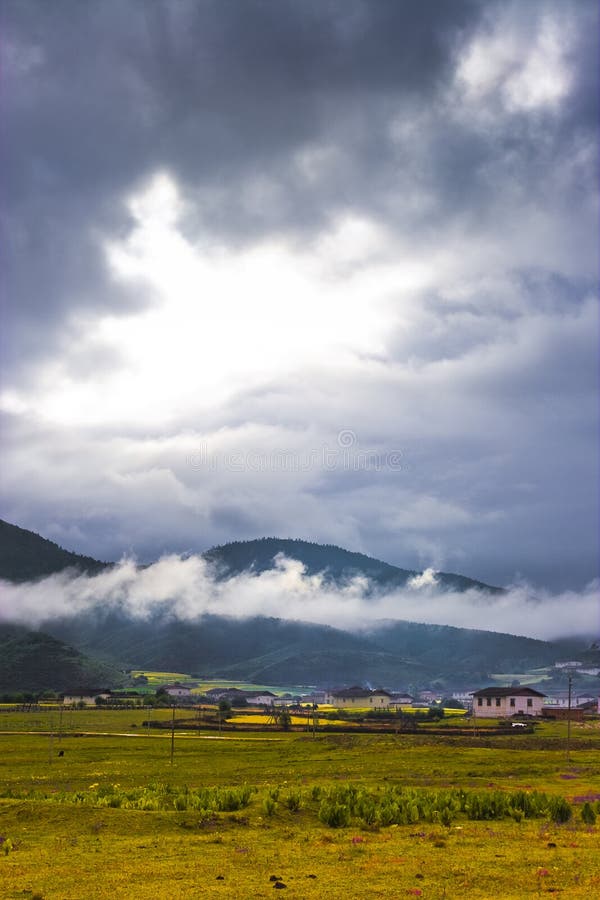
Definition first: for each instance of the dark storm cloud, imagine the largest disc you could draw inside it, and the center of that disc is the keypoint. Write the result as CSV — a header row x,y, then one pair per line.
x,y
98,95
275,118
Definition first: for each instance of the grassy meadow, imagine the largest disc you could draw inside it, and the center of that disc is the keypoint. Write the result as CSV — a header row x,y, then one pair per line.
x,y
338,815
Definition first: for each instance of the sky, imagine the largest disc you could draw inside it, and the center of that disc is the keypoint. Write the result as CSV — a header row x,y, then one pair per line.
x,y
323,269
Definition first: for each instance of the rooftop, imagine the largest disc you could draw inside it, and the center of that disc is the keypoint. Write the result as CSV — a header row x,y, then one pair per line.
x,y
508,692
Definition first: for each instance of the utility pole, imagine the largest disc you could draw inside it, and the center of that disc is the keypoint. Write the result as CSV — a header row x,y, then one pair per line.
x,y
172,735
569,720
50,739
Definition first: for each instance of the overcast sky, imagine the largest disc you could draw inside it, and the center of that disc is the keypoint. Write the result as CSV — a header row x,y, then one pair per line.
x,y
324,269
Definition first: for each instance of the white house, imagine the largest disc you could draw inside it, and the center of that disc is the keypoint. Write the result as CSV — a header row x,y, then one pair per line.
x,y
502,702
233,694
359,698
560,699
429,696
402,699
464,697
177,690
262,698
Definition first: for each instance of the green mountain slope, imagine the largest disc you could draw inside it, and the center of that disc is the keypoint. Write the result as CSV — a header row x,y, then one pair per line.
x,y
337,564
34,661
259,649
26,556
264,650
216,645
301,664
463,654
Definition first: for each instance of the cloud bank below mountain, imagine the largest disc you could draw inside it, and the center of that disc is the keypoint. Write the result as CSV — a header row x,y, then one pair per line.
x,y
186,588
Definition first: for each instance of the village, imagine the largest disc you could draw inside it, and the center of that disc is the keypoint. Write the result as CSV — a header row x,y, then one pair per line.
x,y
499,702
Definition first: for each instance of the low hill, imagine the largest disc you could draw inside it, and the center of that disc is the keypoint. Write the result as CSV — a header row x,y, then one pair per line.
x,y
268,650
463,655
33,661
272,649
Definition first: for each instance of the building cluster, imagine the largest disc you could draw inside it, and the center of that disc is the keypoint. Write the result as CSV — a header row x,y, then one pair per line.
x,y
488,702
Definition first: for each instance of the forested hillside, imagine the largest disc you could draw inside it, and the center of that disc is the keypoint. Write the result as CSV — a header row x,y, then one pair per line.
x,y
26,556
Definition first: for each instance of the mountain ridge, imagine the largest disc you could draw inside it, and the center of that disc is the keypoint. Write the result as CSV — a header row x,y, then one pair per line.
x,y
330,559
396,653
28,556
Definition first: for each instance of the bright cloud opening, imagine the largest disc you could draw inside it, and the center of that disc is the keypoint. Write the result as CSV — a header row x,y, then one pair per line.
x,y
222,320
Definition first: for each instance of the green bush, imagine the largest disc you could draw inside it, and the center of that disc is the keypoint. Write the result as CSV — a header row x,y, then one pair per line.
x,y
336,815
293,801
268,806
587,814
560,811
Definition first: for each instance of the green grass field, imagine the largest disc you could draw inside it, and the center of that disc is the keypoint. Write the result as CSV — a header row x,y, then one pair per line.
x,y
114,817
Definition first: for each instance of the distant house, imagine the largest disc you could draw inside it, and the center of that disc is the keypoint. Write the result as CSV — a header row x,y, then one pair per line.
x,y
429,696
86,696
232,694
177,690
401,699
287,700
261,698
359,698
224,693
464,697
560,699
502,702
314,697
578,667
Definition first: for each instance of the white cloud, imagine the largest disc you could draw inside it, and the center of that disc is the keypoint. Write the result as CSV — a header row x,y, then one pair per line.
x,y
425,579
222,321
186,588
527,69
544,80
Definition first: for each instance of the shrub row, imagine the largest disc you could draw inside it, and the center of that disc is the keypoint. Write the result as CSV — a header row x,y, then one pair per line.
x,y
157,796
337,807
344,805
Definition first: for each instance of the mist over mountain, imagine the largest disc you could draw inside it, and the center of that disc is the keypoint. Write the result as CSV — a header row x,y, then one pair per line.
x,y
335,563
272,611
26,556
